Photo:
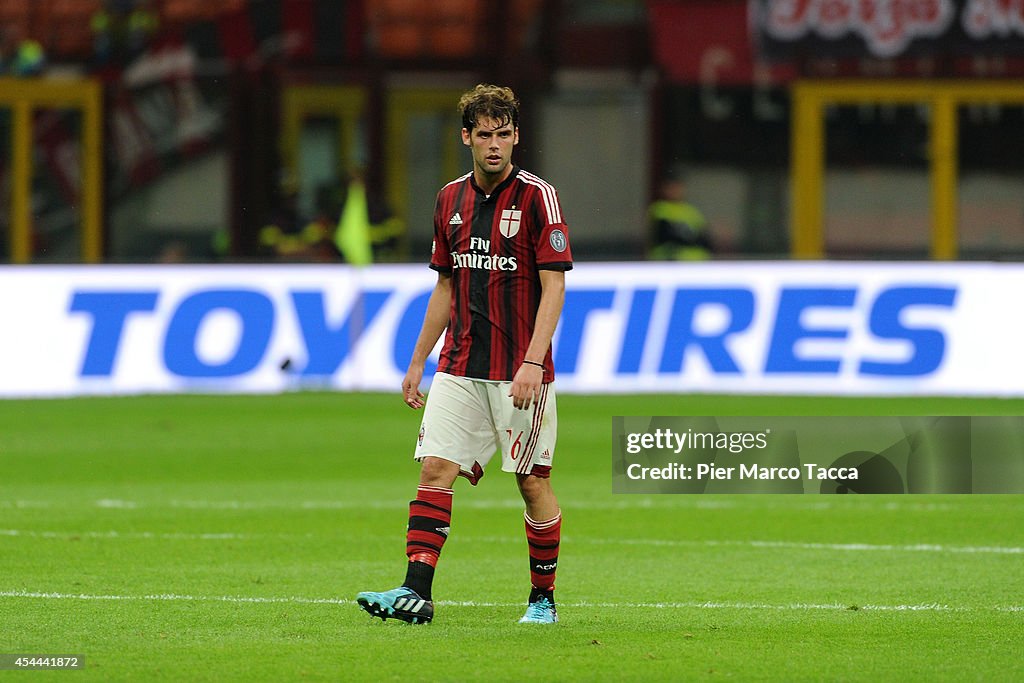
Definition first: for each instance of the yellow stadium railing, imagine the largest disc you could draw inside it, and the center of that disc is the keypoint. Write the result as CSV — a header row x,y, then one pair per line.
x,y
23,96
346,104
807,145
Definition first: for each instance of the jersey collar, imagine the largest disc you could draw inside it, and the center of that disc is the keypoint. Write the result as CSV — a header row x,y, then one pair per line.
x,y
501,186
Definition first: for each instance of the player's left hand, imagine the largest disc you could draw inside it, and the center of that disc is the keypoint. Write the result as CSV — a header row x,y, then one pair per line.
x,y
526,386
411,393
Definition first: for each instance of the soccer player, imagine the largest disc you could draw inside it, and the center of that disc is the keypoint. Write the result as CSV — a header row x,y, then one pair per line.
x,y
501,249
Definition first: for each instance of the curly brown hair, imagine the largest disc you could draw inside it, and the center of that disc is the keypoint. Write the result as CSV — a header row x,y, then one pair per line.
x,y
489,102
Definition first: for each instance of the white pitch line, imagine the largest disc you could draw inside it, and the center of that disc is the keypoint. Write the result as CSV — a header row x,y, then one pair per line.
x,y
323,505
617,502
650,542
710,604
919,547
792,545
172,597
130,534
116,504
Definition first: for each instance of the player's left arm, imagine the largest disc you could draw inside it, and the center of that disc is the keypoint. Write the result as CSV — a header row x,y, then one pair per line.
x,y
526,384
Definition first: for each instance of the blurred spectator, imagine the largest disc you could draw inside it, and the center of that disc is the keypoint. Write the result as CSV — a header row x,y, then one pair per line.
x,y
367,229
122,30
678,229
386,229
143,23
19,54
173,252
353,233
104,25
287,236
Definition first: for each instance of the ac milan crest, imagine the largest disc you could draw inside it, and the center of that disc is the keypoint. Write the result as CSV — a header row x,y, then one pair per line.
x,y
509,223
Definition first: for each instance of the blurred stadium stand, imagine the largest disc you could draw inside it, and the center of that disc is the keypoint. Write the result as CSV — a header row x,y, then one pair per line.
x,y
233,100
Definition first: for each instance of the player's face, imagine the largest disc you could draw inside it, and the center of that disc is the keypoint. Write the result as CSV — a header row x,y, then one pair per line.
x,y
492,145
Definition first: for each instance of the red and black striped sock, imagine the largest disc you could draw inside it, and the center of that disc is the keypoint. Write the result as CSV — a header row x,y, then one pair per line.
x,y
543,538
430,518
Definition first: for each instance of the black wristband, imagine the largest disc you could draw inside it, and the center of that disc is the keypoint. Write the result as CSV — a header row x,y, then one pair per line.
x,y
530,362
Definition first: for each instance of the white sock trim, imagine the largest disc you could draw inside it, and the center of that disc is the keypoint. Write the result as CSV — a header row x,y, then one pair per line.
x,y
435,489
545,524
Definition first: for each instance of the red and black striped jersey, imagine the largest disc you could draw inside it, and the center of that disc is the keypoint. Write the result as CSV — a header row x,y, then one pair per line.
x,y
493,246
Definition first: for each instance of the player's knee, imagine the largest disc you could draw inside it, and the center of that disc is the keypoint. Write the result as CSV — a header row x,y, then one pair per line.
x,y
438,472
534,488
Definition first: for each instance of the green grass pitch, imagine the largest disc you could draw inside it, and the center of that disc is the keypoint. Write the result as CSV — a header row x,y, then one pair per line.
x,y
221,538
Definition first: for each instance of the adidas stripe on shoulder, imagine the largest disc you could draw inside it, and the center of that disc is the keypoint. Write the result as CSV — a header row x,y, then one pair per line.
x,y
547,191
458,180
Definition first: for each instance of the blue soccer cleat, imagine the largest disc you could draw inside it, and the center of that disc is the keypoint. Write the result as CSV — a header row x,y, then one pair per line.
x,y
399,603
541,611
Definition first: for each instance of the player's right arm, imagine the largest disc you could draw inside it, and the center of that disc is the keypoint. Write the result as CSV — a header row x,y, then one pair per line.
x,y
434,324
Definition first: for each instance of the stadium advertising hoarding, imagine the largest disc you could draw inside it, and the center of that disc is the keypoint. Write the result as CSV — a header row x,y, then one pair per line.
x,y
744,327
867,28
724,43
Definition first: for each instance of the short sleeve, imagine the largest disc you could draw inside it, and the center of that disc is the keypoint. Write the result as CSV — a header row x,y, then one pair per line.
x,y
552,246
440,254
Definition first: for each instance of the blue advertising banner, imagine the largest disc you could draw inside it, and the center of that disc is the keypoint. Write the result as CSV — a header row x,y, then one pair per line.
x,y
873,329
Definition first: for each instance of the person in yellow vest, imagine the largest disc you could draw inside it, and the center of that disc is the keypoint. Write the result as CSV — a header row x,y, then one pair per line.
x,y
287,236
367,229
678,229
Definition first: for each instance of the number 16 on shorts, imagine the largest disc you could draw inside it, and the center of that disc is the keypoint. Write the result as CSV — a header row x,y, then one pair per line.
x,y
515,447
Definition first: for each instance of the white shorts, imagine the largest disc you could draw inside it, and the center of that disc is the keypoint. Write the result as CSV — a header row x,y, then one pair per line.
x,y
466,420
